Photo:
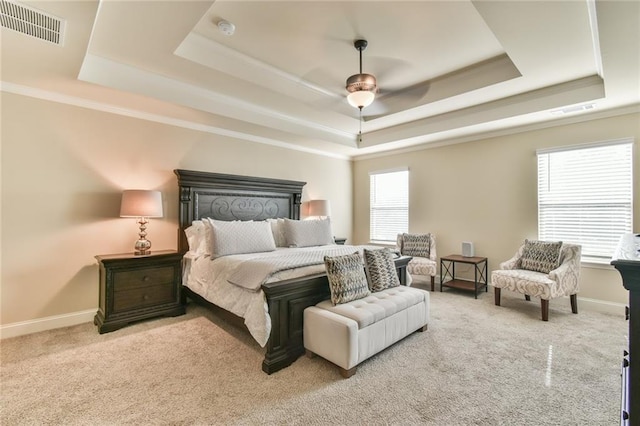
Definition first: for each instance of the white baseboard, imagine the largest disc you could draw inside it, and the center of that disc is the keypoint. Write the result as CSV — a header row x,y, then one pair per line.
x,y
48,323
601,306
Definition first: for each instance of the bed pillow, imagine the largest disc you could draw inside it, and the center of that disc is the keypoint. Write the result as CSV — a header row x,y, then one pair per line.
x,y
308,233
540,256
418,245
277,229
198,238
347,280
381,269
239,237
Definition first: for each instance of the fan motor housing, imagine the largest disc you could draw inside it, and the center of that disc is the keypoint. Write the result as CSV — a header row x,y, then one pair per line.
x,y
361,82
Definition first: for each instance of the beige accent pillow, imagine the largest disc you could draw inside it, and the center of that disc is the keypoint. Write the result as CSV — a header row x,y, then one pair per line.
x,y
240,237
308,233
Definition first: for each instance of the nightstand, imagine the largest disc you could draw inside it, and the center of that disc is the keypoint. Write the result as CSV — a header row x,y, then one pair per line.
x,y
138,287
340,240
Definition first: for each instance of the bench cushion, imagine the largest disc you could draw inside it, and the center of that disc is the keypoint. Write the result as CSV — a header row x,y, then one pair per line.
x,y
377,306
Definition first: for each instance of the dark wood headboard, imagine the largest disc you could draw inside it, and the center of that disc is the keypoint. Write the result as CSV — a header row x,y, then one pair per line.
x,y
231,197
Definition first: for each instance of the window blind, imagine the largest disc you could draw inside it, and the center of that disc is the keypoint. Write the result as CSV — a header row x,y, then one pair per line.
x,y
585,196
389,205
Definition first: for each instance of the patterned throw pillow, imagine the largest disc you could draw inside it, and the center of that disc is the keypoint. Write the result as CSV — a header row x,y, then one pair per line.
x,y
540,256
381,270
416,245
347,280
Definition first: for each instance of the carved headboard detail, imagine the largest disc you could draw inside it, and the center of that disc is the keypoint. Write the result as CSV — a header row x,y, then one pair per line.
x,y
231,197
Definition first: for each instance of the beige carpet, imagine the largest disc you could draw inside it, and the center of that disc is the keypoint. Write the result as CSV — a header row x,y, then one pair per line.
x,y
478,364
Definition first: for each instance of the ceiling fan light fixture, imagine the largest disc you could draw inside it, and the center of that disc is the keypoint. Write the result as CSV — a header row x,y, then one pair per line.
x,y
361,98
362,90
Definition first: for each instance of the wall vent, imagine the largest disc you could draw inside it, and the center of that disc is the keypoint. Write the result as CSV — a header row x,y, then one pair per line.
x,y
30,21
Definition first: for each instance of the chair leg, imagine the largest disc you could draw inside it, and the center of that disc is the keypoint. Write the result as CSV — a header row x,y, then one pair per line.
x,y
527,298
545,309
574,303
433,283
496,294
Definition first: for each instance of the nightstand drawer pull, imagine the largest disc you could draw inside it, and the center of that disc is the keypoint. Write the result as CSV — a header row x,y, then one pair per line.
x,y
145,297
146,278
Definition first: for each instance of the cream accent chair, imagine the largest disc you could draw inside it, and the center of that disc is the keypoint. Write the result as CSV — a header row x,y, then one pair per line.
x,y
562,281
422,266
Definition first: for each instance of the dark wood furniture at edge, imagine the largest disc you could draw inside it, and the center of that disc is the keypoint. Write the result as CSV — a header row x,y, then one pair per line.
x,y
627,261
230,197
133,288
448,269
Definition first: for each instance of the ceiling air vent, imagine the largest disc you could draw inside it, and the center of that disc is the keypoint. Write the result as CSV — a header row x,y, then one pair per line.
x,y
574,108
30,21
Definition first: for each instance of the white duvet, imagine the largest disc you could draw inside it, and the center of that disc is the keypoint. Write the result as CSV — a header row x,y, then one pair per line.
x,y
209,278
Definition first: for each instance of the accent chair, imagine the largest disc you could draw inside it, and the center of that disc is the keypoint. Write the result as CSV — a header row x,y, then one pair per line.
x,y
423,249
541,269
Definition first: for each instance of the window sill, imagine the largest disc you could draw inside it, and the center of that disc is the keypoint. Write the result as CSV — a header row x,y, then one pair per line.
x,y
382,243
595,265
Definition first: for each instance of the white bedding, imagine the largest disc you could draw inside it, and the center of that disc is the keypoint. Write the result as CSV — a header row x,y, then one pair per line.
x,y
209,278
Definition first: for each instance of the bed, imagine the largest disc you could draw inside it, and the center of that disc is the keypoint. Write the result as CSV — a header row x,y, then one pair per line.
x,y
282,299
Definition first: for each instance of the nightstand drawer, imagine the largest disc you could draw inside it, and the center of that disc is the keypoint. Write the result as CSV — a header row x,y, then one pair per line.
x,y
129,280
141,297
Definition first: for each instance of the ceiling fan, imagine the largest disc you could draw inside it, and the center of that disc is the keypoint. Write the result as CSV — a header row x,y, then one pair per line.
x,y
362,89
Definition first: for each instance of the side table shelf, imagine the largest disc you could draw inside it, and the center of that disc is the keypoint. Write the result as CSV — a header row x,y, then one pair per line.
x,y
448,270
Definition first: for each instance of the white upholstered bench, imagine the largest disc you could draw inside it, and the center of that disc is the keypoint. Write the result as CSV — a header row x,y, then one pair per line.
x,y
349,333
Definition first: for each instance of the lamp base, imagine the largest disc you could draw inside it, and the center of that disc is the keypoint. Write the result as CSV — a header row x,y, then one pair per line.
x,y
143,246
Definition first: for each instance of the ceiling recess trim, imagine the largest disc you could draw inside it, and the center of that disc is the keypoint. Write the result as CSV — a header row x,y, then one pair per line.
x,y
32,22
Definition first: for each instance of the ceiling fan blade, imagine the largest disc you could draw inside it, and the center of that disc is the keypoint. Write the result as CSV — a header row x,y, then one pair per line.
x,y
376,109
408,97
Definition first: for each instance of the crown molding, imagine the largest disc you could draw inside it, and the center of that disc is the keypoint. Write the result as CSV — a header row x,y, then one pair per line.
x,y
51,96
613,112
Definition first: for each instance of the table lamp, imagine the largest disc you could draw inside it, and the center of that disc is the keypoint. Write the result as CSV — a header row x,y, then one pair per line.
x,y
319,208
141,204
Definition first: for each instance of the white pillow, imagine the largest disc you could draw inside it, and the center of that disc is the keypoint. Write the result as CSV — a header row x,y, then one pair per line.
x,y
307,233
198,238
239,237
277,228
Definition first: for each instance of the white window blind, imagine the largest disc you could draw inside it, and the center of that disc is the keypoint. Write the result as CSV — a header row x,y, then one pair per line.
x,y
389,205
585,196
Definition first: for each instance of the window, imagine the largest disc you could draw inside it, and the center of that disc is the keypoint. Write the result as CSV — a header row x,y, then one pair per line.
x,y
585,196
389,205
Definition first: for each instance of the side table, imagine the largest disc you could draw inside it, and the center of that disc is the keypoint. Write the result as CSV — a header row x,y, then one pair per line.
x,y
138,287
448,270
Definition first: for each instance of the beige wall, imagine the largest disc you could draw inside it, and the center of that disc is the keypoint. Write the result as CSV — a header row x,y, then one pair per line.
x,y
63,170
486,192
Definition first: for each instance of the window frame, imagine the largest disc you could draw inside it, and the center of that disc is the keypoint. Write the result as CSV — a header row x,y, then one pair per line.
x,y
594,257
372,175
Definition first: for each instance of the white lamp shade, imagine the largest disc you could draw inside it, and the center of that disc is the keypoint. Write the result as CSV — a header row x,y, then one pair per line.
x,y
319,208
361,98
141,203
